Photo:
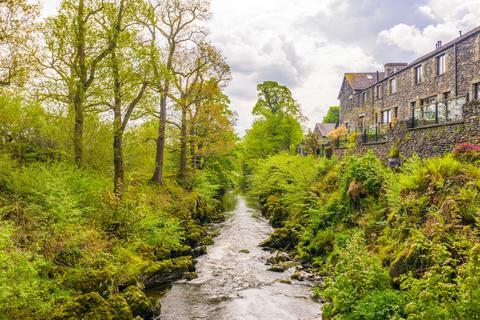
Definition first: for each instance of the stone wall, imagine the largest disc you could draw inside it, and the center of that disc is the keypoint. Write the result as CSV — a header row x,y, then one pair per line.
x,y
427,141
462,71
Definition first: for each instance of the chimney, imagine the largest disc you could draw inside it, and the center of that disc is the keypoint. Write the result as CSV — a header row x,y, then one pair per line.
x,y
439,44
460,32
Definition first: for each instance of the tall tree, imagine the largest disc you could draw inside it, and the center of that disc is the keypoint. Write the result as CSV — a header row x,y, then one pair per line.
x,y
200,73
274,99
277,127
16,26
127,76
73,54
173,25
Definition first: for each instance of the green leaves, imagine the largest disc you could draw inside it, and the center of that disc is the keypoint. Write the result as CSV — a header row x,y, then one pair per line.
x,y
407,248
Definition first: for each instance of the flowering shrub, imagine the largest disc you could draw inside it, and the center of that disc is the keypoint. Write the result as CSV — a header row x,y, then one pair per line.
x,y
341,131
467,152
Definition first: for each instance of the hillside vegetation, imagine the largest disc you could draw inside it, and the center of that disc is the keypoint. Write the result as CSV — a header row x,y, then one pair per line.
x,y
70,247
390,245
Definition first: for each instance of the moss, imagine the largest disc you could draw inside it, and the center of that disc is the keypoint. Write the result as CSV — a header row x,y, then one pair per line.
x,y
88,306
283,239
164,272
138,302
120,308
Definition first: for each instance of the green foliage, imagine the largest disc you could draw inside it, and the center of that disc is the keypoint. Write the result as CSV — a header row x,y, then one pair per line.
x,y
333,115
277,129
274,99
390,245
270,136
69,245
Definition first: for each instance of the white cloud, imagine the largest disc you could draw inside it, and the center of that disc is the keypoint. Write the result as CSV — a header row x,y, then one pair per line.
x,y
263,40
451,16
427,11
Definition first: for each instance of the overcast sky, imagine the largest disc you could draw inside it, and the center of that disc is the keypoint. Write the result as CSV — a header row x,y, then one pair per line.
x,y
309,44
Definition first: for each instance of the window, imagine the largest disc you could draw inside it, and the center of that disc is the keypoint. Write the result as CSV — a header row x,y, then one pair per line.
x,y
378,91
392,85
395,112
441,66
476,91
418,74
364,98
387,116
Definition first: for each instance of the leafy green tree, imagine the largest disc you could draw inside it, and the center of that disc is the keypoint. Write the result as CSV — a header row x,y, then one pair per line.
x,y
173,25
274,99
70,61
128,70
277,127
16,25
333,115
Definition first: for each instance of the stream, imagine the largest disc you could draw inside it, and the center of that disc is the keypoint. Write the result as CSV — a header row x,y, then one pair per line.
x,y
233,281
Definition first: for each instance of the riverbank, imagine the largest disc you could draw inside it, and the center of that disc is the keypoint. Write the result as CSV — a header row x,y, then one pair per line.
x,y
233,278
70,249
388,244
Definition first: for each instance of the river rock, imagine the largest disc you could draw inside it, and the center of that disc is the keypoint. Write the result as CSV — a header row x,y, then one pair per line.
x,y
167,271
278,257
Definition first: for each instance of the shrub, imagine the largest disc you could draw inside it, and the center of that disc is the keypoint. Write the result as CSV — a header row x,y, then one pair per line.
x,y
467,152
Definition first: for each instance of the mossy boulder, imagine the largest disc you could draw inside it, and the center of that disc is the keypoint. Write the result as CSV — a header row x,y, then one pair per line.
x,y
91,306
281,239
120,308
138,302
167,271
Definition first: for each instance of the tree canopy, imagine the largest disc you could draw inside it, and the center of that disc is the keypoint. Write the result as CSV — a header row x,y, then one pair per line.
x,y
333,115
277,127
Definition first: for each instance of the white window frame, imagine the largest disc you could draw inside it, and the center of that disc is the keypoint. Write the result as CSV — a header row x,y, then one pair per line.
x,y
393,88
418,72
441,64
387,116
378,91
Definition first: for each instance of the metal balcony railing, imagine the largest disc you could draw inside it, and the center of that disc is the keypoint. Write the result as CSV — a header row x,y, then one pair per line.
x,y
438,113
375,133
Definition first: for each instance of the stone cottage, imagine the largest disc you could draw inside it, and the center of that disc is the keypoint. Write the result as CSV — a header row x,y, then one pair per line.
x,y
429,92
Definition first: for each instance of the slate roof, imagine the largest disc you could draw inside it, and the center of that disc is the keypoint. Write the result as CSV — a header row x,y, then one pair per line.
x,y
363,80
325,128
360,81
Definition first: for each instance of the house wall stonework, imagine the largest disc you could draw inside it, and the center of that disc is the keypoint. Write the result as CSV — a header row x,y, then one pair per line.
x,y
363,108
462,62
426,141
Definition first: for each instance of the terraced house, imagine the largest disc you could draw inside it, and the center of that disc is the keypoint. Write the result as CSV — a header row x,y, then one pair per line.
x,y
431,91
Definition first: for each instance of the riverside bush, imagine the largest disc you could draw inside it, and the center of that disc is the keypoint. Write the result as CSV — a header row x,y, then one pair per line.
x,y
390,245
69,248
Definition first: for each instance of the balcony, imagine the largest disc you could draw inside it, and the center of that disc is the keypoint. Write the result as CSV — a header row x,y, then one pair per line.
x,y
438,113
376,133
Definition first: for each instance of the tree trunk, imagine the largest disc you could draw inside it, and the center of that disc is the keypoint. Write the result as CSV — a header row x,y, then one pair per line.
x,y
183,148
160,151
79,98
78,132
162,126
119,178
